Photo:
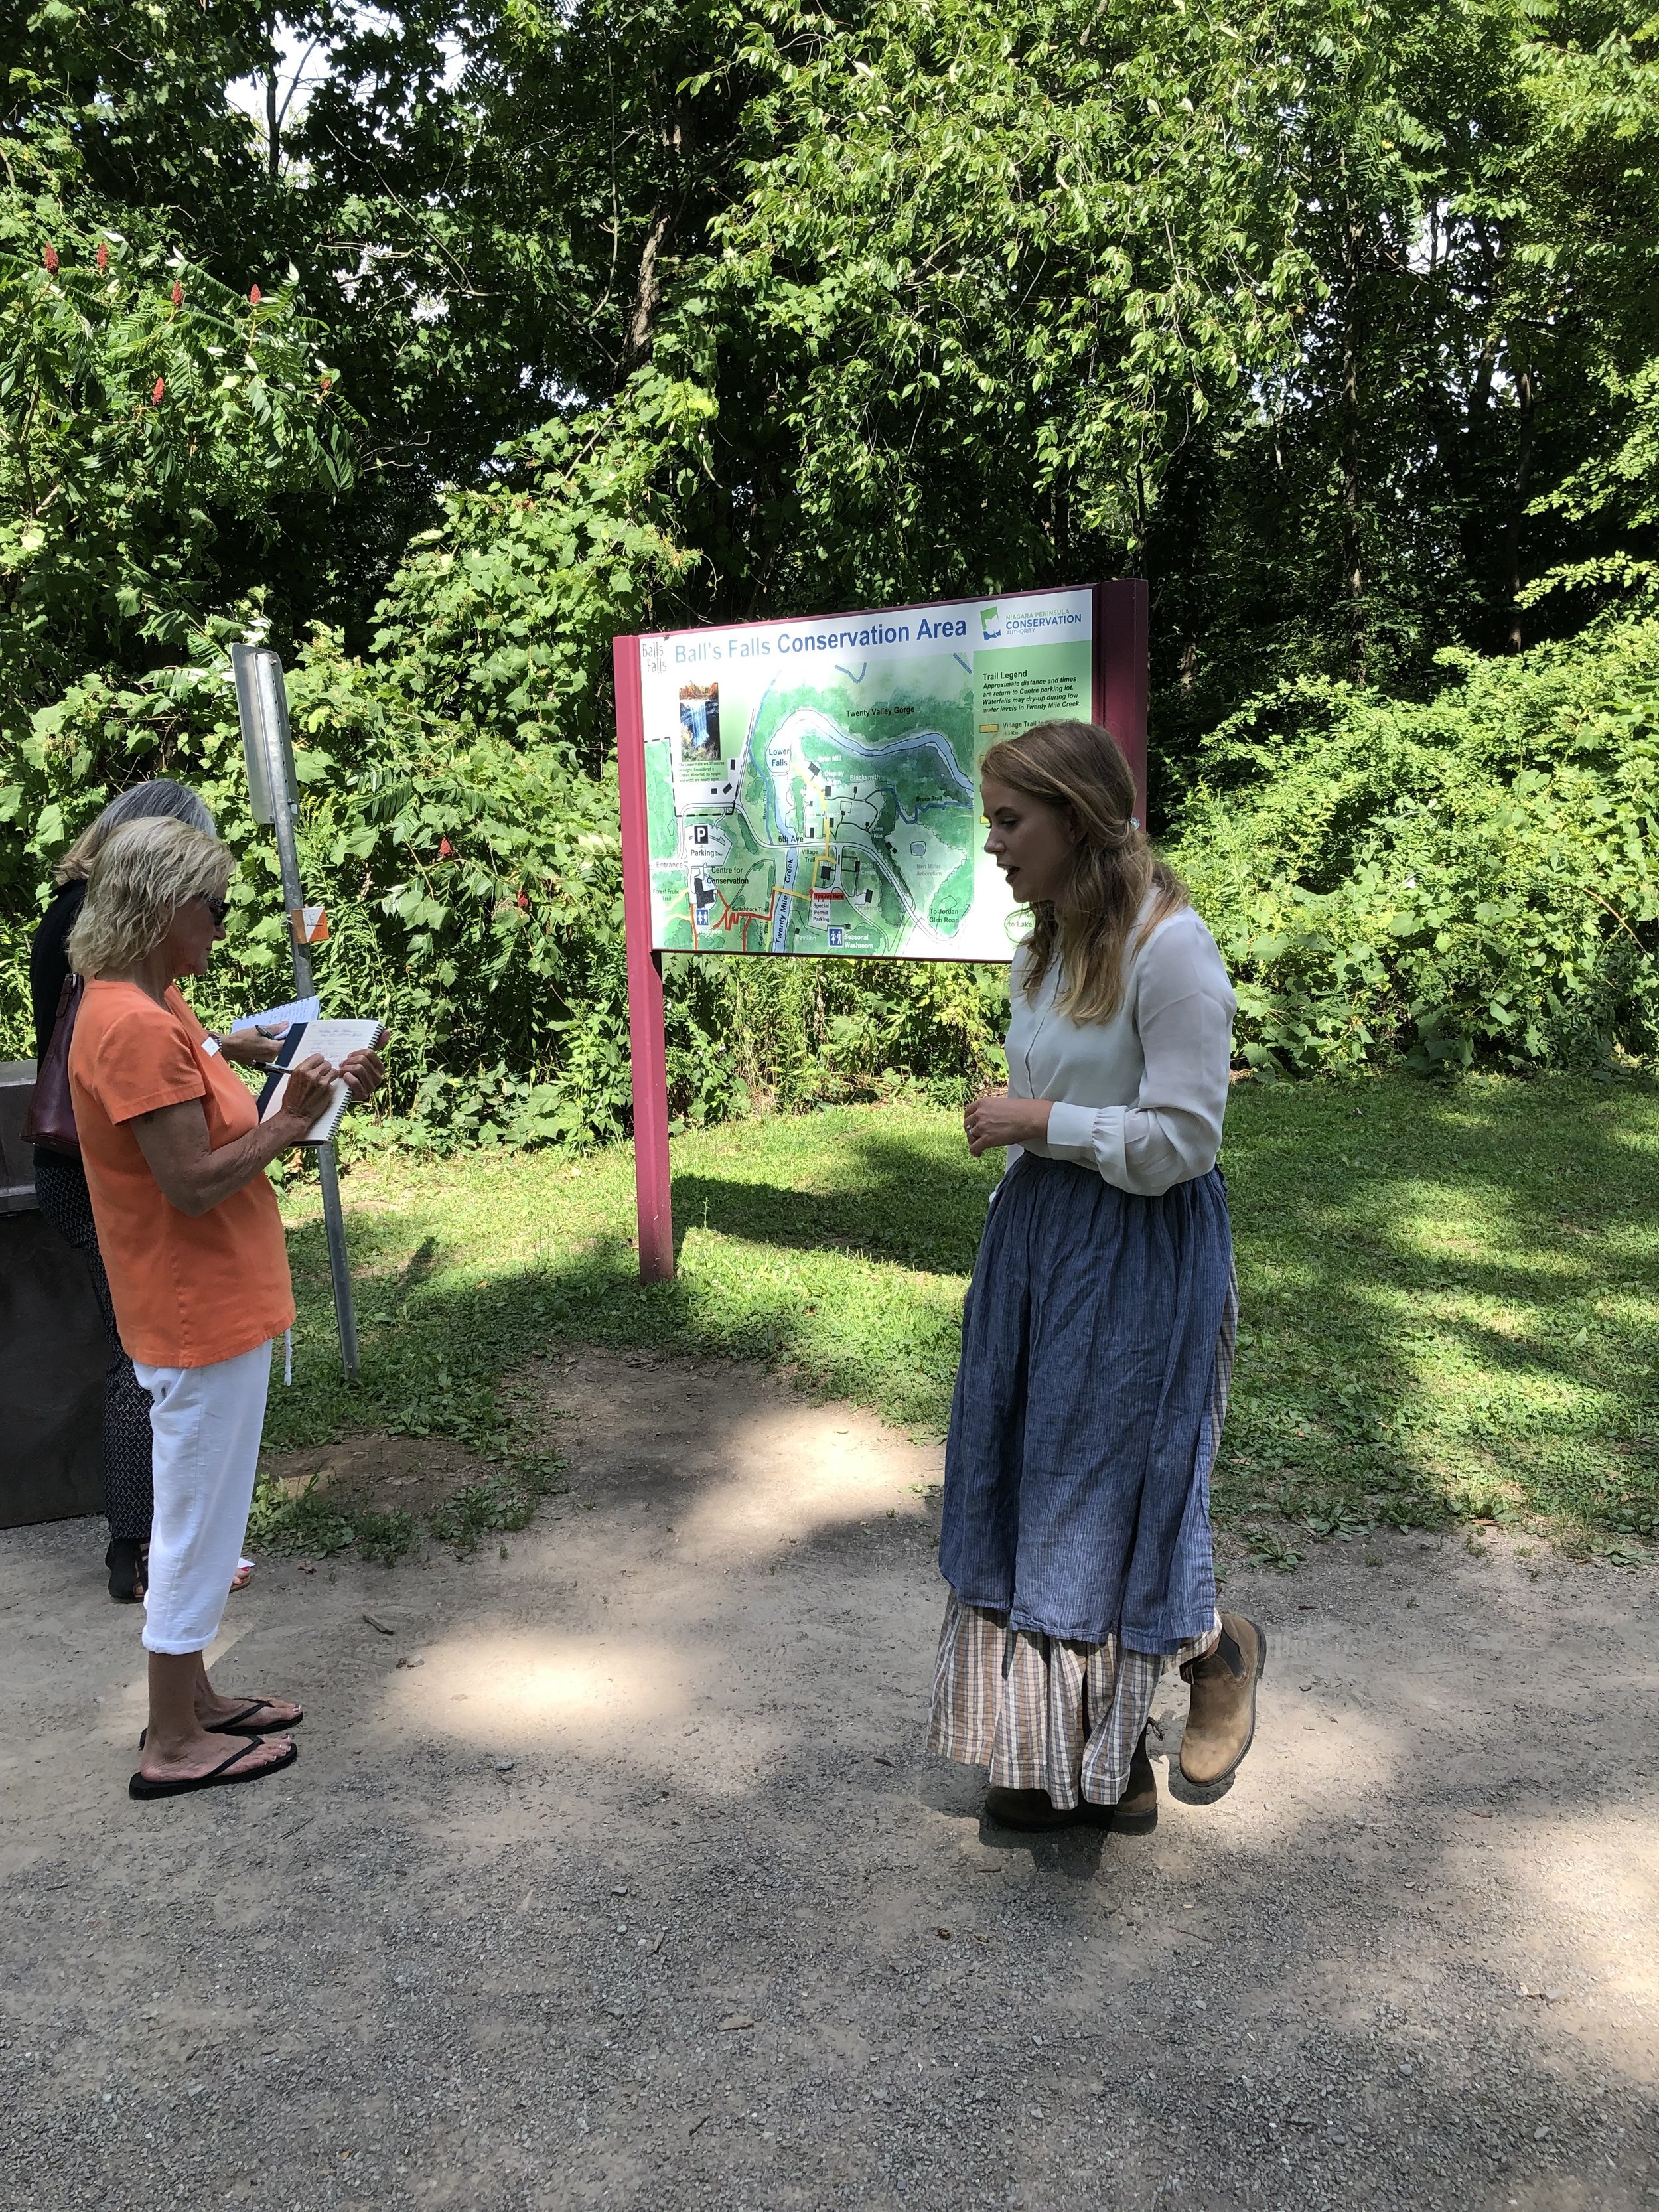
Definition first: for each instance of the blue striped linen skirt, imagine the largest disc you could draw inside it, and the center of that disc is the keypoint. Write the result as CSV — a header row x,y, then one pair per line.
x,y
1097,1341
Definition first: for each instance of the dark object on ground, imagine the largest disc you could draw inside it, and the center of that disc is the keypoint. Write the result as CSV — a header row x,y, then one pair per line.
x,y
53,1351
1135,1813
1029,1810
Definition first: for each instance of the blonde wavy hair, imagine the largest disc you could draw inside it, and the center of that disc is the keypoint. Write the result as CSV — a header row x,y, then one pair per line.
x,y
141,876
1077,768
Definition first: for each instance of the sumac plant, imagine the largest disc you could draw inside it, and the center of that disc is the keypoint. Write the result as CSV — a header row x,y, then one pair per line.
x,y
146,414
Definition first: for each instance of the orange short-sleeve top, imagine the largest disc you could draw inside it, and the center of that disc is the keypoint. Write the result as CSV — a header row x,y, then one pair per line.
x,y
189,1290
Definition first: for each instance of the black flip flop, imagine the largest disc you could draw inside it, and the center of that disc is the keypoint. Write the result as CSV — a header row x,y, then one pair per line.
x,y
239,1724
219,1778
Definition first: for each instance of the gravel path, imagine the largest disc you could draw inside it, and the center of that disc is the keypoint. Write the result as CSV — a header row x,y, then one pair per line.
x,y
639,1889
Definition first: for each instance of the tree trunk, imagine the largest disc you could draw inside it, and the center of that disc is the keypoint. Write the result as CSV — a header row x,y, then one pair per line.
x,y
1523,393
647,293
1353,558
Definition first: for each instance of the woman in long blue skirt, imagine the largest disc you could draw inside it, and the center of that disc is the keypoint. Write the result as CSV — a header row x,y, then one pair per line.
x,y
1098,1331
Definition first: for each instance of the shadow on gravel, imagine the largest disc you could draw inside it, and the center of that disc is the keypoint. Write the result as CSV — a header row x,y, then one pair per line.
x,y
641,1891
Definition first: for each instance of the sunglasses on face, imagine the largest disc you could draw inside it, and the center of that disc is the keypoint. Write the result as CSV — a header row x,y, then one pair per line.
x,y
217,907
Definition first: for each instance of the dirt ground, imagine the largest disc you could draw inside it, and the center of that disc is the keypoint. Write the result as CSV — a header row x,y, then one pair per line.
x,y
639,1887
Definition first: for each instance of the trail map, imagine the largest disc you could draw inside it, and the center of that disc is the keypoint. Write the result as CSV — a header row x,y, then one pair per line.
x,y
813,786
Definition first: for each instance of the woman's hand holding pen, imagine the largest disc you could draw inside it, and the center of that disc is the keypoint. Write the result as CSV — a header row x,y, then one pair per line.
x,y
361,1071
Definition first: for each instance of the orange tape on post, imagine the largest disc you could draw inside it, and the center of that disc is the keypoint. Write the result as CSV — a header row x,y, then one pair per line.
x,y
309,924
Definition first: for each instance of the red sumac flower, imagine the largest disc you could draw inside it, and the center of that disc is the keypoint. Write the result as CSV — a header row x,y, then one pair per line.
x,y
50,257
102,255
254,296
444,848
178,295
524,901
160,386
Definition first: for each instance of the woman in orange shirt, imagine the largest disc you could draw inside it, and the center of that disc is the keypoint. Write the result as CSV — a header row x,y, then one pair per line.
x,y
192,1242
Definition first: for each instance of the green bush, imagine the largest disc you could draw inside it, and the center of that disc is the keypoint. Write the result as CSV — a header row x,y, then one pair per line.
x,y
1460,882
458,818
1465,881
150,419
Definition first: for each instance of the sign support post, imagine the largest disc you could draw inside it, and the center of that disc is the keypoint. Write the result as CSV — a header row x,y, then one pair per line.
x,y
262,708
645,1011
1116,679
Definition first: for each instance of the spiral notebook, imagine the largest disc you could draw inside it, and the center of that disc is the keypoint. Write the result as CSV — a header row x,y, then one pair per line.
x,y
334,1040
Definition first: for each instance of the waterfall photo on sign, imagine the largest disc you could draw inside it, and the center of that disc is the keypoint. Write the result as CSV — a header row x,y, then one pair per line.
x,y
812,785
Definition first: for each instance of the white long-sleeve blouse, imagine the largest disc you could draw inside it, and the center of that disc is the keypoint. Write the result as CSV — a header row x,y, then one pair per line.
x,y
1139,1099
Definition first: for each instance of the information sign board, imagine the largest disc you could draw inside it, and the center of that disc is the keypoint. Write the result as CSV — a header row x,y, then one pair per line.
x,y
811,786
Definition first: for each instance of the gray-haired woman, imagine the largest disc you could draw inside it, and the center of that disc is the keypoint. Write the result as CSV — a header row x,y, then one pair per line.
x,y
60,1182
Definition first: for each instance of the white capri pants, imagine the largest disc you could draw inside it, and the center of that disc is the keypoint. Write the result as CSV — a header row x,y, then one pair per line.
x,y
206,1424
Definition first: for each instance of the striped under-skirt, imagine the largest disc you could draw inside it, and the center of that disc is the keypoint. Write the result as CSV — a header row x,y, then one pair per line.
x,y
1098,1347
1041,1713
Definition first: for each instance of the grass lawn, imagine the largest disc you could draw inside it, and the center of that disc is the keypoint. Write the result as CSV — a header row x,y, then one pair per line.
x,y
1448,1295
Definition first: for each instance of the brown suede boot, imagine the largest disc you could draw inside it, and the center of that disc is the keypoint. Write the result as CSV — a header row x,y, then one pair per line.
x,y
1135,1813
1029,1808
1221,1718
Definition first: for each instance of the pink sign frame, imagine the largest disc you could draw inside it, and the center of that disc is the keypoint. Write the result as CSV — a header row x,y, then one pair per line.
x,y
1118,689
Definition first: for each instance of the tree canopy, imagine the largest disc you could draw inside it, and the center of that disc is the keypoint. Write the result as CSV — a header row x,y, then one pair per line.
x,y
437,345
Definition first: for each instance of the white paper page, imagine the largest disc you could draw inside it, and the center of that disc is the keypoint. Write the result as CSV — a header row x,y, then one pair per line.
x,y
334,1040
276,1018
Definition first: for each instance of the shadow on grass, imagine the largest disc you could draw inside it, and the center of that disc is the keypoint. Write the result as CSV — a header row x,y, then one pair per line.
x,y
1365,1378
902,1205
1415,1268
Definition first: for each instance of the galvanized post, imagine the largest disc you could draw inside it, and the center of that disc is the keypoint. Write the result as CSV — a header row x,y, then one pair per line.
x,y
262,706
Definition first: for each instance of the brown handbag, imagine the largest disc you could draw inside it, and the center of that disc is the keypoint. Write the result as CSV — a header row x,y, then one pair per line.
x,y
50,1121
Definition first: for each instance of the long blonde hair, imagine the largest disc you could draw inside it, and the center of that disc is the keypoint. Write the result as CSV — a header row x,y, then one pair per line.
x,y
142,874
1077,768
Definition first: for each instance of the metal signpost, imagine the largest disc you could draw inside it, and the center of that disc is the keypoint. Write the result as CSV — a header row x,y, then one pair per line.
x,y
262,708
808,786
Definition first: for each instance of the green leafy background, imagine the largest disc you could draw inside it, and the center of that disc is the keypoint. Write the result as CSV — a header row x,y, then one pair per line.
x,y
1339,321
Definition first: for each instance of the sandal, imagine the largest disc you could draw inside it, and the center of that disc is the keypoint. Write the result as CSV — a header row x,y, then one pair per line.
x,y
217,1777
241,1724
